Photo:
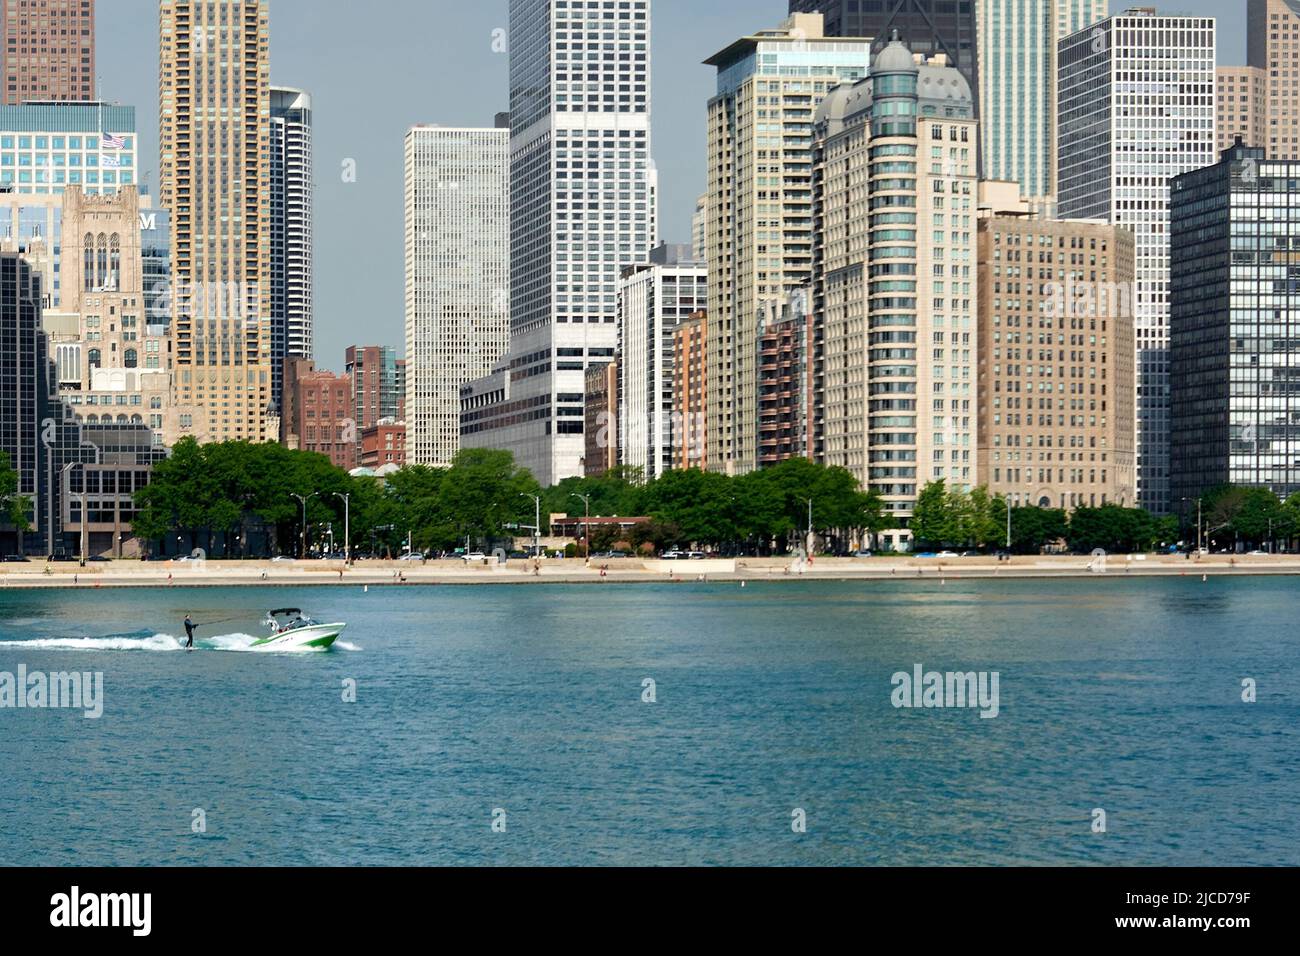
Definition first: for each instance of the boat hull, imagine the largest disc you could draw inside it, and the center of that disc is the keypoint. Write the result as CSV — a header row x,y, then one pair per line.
x,y
317,637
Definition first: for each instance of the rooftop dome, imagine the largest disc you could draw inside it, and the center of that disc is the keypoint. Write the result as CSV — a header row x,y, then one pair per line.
x,y
894,58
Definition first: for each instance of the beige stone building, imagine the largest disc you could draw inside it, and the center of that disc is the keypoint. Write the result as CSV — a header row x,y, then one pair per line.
x,y
896,283
1056,356
116,368
1273,48
215,176
1240,105
759,212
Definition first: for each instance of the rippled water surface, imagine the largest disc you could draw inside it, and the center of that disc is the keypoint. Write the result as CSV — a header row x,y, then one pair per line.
x,y
1117,695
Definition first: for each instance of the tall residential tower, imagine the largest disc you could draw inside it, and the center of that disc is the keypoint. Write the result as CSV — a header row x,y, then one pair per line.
x,y
291,231
214,91
760,230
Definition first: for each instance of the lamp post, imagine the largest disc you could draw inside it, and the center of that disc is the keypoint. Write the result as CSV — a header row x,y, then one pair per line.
x,y
304,500
347,525
810,527
586,528
537,522
1007,501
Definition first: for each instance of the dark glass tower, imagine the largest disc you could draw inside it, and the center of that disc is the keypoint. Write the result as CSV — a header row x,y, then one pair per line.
x,y
925,26
1235,326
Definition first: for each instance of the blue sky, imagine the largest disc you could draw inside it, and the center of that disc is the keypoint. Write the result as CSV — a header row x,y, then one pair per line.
x,y
376,68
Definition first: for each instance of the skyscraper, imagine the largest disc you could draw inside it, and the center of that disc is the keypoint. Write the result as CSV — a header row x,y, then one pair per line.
x,y
583,207
457,277
1136,108
1017,72
1235,352
291,231
895,286
48,50
214,94
1273,48
926,27
760,207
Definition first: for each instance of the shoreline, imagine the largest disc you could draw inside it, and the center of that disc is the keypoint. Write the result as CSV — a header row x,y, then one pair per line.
x,y
265,574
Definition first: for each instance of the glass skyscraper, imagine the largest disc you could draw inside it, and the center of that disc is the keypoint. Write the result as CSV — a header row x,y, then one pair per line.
x,y
1235,317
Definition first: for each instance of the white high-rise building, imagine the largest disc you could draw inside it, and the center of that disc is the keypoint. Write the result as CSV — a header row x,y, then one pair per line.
x,y
1136,107
654,298
291,231
457,277
583,208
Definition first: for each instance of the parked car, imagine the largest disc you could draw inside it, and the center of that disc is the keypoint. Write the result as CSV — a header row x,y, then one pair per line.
x,y
476,556
412,556
696,556
947,554
970,554
863,554
17,559
282,557
672,556
99,558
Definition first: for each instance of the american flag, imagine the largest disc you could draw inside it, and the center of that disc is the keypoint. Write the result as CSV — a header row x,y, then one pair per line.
x,y
114,142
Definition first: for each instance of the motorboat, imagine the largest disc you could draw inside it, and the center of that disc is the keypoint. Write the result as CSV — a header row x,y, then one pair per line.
x,y
290,629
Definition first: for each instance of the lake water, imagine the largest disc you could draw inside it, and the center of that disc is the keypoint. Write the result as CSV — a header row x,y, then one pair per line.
x,y
1119,695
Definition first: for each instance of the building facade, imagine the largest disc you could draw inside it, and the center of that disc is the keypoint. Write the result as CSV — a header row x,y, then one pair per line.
x,y
1241,105
927,27
1273,48
1017,74
690,388
292,221
457,277
318,413
654,298
786,399
582,193
378,383
45,147
214,92
383,445
1234,305
48,50
116,369
896,285
601,431
37,432
760,206
1056,376
1136,108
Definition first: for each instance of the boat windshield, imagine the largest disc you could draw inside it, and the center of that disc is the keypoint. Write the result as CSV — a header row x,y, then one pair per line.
x,y
292,624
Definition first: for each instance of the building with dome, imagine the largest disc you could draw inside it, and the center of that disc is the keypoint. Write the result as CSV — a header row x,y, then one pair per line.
x,y
895,194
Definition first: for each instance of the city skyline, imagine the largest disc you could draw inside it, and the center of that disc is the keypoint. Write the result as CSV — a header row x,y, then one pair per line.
x,y
361,115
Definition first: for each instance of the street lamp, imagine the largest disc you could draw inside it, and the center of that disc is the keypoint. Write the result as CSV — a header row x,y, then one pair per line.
x,y
347,525
586,530
810,527
304,500
537,522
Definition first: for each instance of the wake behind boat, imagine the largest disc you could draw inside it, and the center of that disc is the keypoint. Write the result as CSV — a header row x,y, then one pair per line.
x,y
290,629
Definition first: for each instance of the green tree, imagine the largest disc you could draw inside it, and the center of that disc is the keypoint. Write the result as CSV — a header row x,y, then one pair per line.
x,y
14,507
934,520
